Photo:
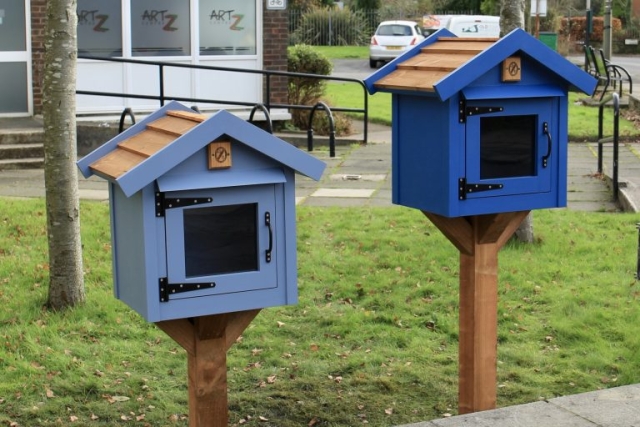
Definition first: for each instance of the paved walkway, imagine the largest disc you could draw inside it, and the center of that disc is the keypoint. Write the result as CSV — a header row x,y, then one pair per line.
x,y
360,176
614,407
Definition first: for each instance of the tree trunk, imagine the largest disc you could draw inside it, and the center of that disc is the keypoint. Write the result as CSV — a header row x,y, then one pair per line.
x,y
66,282
512,17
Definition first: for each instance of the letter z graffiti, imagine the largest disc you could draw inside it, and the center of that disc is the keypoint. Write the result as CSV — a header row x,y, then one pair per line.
x,y
169,20
99,27
235,25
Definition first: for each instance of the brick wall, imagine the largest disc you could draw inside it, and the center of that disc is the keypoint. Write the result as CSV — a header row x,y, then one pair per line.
x,y
38,14
275,41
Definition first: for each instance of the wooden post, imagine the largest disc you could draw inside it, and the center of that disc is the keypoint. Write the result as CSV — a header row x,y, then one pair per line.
x,y
207,340
479,239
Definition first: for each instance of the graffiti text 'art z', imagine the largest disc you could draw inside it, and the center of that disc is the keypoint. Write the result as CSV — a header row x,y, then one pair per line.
x,y
93,17
225,16
160,17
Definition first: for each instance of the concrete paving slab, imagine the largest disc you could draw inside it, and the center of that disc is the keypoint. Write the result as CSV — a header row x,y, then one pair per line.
x,y
615,407
601,196
538,414
358,177
350,193
96,195
341,202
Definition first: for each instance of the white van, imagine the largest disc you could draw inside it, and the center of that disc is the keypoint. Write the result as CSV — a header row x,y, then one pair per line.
x,y
474,26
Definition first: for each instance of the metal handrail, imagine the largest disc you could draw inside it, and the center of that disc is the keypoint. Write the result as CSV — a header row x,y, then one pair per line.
x,y
162,97
616,119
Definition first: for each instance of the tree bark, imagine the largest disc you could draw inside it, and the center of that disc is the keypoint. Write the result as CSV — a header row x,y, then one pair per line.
x,y
66,281
512,17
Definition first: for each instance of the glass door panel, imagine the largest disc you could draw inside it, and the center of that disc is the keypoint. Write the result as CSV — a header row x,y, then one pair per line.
x,y
15,61
13,87
99,28
160,28
13,31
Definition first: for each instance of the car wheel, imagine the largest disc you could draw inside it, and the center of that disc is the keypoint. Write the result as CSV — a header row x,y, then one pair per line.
x,y
373,63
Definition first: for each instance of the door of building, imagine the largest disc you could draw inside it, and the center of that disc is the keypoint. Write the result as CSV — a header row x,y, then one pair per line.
x,y
15,58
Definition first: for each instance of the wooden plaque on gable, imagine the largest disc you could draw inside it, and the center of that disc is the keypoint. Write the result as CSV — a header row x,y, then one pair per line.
x,y
219,155
511,69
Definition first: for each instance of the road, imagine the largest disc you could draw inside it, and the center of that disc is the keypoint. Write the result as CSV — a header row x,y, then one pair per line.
x,y
351,68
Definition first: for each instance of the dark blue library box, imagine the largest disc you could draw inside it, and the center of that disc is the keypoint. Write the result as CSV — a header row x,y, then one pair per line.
x,y
479,125
202,214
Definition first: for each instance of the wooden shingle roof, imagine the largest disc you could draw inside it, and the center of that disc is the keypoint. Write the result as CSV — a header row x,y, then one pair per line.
x,y
153,147
136,149
433,63
444,65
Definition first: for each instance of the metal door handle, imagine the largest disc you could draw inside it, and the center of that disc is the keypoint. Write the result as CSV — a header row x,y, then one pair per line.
x,y
267,222
545,130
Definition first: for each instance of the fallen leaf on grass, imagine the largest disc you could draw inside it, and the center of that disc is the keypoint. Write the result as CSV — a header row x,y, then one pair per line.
x,y
114,399
313,422
388,411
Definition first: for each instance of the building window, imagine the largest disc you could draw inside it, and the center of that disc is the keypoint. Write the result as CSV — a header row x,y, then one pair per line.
x,y
227,27
160,28
99,28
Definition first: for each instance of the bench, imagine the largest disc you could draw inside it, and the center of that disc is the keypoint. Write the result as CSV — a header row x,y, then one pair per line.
x,y
607,73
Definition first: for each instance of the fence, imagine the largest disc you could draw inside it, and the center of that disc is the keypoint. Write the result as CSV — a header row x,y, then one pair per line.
x,y
345,27
332,27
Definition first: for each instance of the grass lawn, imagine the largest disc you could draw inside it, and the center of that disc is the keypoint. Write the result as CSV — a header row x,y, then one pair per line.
x,y
373,338
343,52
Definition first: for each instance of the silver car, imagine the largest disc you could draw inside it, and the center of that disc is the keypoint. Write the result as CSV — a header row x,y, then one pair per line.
x,y
393,38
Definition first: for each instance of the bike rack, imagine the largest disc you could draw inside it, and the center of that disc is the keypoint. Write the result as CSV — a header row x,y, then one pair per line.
x,y
332,132
267,116
126,112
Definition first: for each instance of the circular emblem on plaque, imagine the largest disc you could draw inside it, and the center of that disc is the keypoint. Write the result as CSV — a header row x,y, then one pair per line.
x,y
513,68
221,154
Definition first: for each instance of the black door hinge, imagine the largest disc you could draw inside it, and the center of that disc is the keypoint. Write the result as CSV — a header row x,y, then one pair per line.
x,y
464,188
167,289
464,111
163,203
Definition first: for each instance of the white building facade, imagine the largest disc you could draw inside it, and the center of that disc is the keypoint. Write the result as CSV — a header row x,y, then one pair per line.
x,y
221,33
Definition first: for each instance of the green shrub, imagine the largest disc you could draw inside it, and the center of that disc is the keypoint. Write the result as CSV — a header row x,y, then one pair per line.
x,y
309,91
332,27
303,59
